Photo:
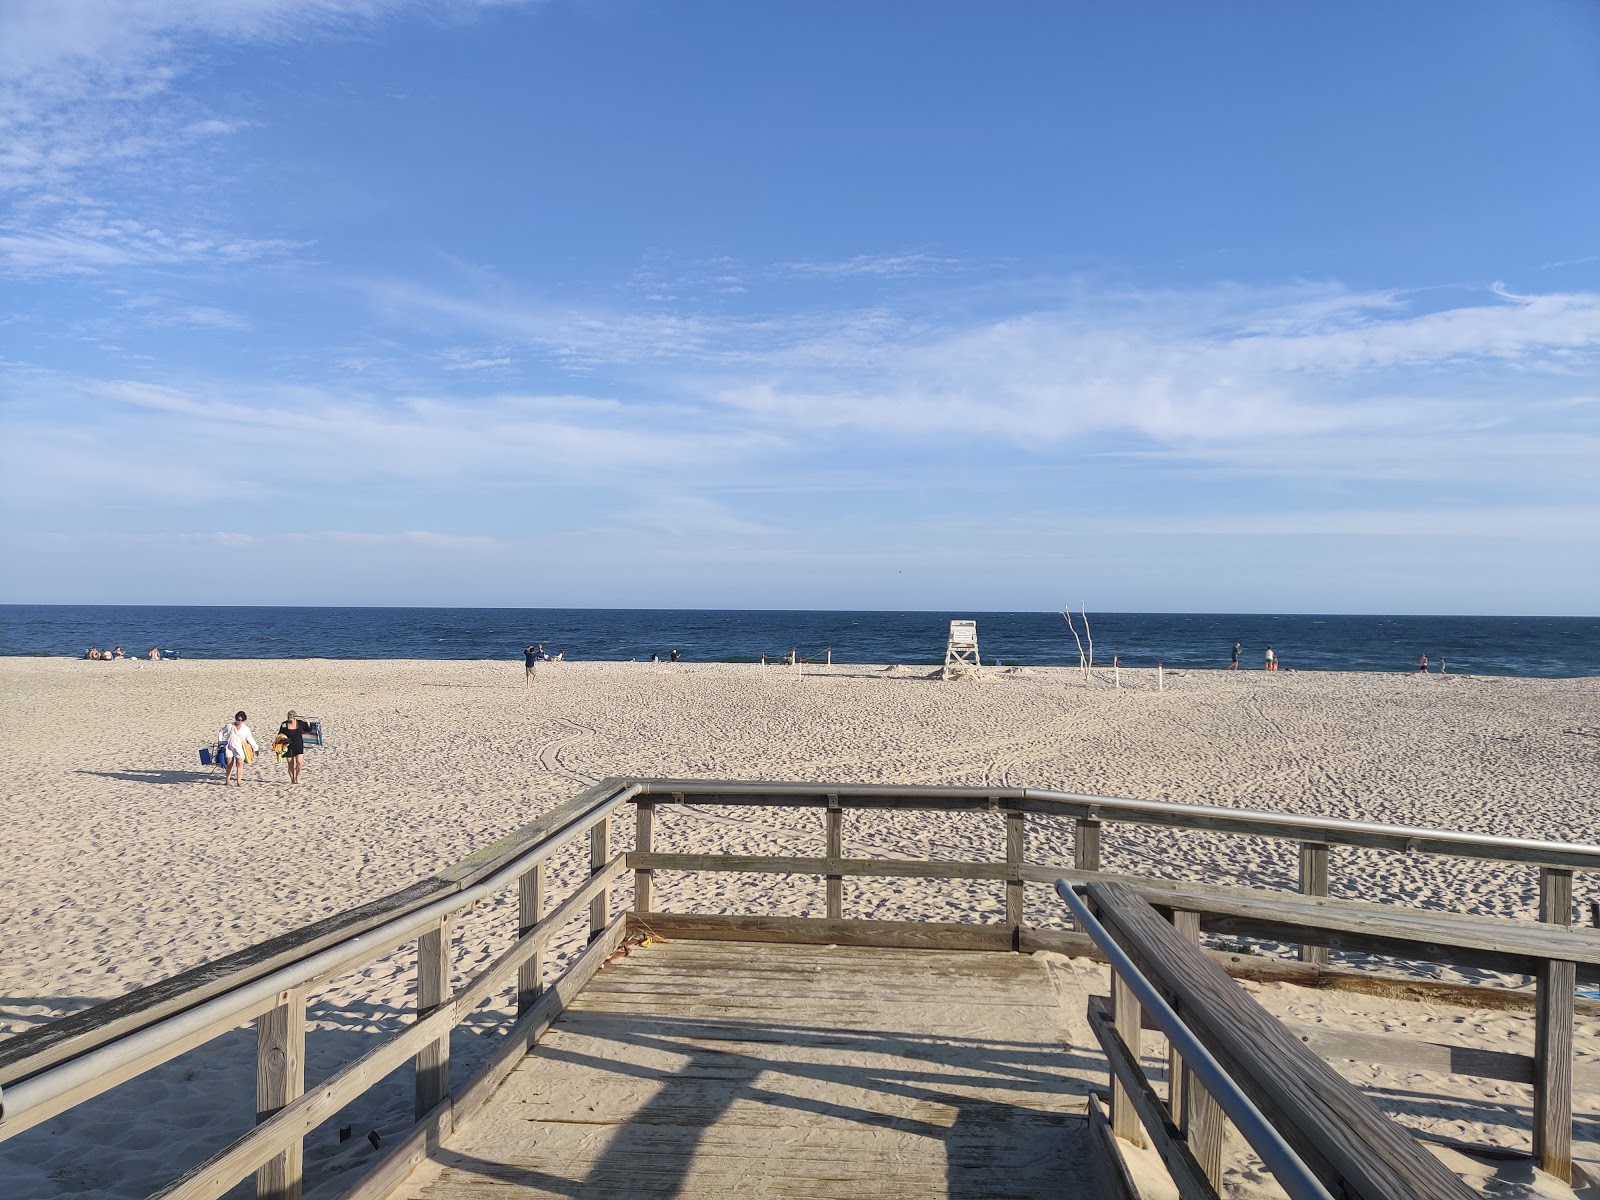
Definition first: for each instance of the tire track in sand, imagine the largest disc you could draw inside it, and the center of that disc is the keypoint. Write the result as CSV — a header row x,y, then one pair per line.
x,y
551,755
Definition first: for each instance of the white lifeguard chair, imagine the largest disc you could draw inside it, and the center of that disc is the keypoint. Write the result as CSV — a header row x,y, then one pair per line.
x,y
961,653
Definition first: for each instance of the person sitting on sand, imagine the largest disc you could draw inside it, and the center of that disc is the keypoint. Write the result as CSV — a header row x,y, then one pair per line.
x,y
117,653
93,652
155,654
238,736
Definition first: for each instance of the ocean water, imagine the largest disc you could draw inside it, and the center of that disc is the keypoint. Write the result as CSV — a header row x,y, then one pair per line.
x,y
1536,646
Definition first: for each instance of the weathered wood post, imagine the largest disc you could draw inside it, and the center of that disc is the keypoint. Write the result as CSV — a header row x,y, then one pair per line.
x,y
599,853
1194,1108
1086,844
280,1078
1127,1016
1552,1041
1314,882
1016,849
644,836
530,907
433,990
835,849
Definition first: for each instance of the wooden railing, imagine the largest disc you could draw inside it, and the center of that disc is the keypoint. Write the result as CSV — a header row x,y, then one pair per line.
x,y
49,1070
1294,1097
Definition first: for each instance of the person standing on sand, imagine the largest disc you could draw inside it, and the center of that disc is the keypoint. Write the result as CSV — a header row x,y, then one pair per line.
x,y
238,737
294,730
530,666
1234,664
1422,664
1272,660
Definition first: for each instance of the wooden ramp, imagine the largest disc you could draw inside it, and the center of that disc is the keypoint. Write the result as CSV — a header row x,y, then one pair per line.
x,y
730,1069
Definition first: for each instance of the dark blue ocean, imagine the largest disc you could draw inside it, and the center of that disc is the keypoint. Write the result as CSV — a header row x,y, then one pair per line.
x,y
1536,646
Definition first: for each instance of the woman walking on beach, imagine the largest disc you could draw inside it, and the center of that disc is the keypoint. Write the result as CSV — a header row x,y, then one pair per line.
x,y
238,736
293,731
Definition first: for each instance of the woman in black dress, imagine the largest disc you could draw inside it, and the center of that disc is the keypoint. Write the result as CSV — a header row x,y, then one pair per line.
x,y
294,731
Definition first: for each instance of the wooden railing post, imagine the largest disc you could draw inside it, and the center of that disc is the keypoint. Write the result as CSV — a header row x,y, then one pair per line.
x,y
1555,896
599,852
1127,1016
530,907
644,838
1192,1107
1086,844
1314,882
280,1078
835,849
1552,1041
433,989
1016,852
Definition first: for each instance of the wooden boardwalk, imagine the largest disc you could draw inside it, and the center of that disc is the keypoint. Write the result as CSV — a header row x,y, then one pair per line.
x,y
731,1069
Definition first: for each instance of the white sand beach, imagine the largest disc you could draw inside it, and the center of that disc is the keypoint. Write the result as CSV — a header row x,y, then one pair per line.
x,y
125,860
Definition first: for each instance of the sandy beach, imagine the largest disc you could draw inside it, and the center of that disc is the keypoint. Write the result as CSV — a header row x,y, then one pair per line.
x,y
125,860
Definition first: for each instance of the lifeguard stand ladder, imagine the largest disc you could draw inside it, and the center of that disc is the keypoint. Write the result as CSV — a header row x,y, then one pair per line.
x,y
961,654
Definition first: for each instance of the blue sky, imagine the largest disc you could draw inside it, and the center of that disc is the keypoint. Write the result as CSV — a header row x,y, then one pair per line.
x,y
1235,307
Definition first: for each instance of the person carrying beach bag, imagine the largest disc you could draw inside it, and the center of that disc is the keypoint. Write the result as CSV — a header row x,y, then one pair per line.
x,y
241,748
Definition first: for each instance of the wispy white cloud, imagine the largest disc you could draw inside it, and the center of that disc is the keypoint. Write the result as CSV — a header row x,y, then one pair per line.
x,y
881,266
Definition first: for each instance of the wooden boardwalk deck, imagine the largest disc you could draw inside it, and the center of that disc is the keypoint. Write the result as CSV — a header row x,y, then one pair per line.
x,y
731,1069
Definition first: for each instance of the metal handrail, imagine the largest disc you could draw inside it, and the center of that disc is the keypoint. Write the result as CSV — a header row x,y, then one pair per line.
x,y
1287,1167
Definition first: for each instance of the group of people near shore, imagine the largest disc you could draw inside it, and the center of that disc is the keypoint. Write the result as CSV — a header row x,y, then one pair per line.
x,y
99,655
1270,660
236,745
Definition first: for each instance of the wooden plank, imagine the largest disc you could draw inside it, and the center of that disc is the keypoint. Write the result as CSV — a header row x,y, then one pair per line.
x,y
1126,1018
1016,852
1403,839
1152,1114
1441,1057
1313,882
433,990
391,1169
1458,938
835,849
1327,1120
764,864
1552,1070
599,855
915,935
530,909
281,1078
531,1027
1116,1180
644,839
